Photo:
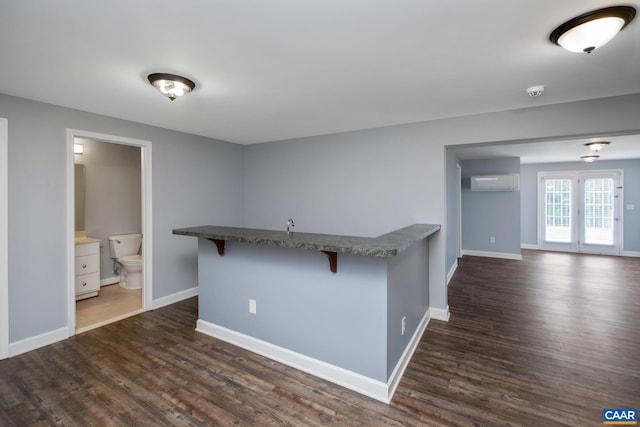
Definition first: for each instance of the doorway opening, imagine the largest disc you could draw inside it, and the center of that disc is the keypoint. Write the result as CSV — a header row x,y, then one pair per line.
x,y
119,171
580,211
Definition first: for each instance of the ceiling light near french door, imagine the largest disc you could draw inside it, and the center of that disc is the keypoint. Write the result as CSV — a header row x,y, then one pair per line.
x,y
597,145
591,30
590,158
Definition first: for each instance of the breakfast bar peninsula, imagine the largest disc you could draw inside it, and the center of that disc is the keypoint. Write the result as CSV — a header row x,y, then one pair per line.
x,y
348,309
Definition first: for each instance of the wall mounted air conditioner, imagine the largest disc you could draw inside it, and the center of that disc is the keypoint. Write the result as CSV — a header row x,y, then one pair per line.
x,y
506,182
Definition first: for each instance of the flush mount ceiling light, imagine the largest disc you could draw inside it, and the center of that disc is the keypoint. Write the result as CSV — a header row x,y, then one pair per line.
x,y
171,85
591,30
590,158
597,146
534,91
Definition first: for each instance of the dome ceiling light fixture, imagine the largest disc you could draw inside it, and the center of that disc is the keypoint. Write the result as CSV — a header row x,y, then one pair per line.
x,y
171,85
593,29
597,145
535,91
590,158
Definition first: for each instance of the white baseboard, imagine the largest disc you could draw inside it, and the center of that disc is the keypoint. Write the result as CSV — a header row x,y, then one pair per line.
x,y
439,313
451,271
529,246
503,255
38,341
630,253
402,364
110,280
634,254
351,380
357,382
50,337
173,298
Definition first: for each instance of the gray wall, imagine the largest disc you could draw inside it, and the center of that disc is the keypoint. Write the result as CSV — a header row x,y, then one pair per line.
x,y
113,194
631,195
196,180
374,181
488,214
361,183
452,208
366,182
407,296
351,319
339,318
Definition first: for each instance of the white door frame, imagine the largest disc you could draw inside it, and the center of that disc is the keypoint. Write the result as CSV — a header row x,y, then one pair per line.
x,y
618,210
147,226
578,198
4,239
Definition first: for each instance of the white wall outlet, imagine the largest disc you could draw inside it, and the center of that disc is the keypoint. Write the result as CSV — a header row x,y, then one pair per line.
x,y
404,324
631,207
252,306
492,239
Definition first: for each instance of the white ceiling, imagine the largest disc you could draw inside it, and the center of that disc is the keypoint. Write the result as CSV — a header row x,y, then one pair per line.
x,y
620,147
279,69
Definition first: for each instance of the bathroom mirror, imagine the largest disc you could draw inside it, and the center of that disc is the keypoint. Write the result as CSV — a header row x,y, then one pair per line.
x,y
79,178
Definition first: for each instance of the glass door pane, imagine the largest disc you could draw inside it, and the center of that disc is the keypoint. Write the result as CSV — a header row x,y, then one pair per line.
x,y
598,211
580,211
557,211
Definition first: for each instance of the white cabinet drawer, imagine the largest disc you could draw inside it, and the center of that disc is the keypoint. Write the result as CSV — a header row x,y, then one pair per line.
x,y
87,264
87,283
88,248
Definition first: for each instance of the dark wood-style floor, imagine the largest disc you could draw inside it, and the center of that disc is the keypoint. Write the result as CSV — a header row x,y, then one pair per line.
x,y
550,340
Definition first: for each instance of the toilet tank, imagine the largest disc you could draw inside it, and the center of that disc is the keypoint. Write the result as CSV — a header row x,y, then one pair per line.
x,y
122,245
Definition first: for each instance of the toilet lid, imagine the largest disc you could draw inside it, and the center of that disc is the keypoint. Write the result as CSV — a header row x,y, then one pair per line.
x,y
132,258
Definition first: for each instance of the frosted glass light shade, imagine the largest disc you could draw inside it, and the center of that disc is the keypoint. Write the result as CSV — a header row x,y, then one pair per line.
x,y
596,146
591,35
590,158
592,30
171,85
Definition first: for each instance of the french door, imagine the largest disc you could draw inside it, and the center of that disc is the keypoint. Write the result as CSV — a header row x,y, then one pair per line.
x,y
580,211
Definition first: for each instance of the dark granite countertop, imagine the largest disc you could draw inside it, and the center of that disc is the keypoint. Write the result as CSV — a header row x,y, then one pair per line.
x,y
387,245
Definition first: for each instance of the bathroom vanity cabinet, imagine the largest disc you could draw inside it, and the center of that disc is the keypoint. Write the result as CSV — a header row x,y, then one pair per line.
x,y
87,254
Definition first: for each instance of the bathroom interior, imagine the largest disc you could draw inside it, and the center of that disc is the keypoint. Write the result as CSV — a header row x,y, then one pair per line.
x,y
108,224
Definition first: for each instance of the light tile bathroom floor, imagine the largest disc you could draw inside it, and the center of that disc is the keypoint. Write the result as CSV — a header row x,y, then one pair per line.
x,y
112,303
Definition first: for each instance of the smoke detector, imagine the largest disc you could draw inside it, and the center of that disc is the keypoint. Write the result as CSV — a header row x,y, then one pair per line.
x,y
534,91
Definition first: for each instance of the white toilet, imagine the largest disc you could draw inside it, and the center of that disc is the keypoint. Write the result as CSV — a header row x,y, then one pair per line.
x,y
124,249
